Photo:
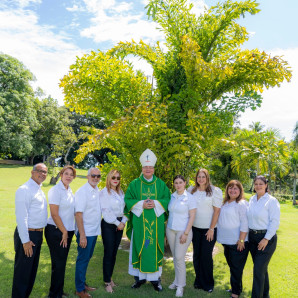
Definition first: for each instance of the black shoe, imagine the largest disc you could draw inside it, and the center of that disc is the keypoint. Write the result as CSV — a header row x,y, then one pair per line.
x,y
196,286
210,291
137,284
157,286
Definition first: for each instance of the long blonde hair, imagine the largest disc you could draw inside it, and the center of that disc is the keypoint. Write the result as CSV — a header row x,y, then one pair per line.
x,y
108,181
208,183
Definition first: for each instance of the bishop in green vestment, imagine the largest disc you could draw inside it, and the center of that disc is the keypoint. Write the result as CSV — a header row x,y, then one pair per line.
x,y
146,200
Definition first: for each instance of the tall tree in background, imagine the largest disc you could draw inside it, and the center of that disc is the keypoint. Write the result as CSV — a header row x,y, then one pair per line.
x,y
189,111
17,108
294,159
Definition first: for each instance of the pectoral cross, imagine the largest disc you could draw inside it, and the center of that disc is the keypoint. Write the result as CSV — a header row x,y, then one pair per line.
x,y
149,194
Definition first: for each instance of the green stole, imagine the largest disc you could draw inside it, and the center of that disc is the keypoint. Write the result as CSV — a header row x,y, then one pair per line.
x,y
148,229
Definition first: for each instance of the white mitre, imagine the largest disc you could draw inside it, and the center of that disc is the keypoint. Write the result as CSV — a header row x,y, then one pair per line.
x,y
148,158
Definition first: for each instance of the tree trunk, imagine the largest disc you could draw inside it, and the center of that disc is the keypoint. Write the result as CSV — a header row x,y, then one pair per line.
x,y
294,185
54,180
32,160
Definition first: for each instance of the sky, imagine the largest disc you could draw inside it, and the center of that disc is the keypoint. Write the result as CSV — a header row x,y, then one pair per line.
x,y
48,35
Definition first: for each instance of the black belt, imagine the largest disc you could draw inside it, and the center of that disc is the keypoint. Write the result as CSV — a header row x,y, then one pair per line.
x,y
257,231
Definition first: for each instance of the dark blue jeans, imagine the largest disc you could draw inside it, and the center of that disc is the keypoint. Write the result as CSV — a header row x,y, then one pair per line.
x,y
84,256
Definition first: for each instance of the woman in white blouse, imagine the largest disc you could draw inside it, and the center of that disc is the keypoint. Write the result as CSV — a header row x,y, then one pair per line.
x,y
209,200
112,224
182,211
60,228
232,229
263,221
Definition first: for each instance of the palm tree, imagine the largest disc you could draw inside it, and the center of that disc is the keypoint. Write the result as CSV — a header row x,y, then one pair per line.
x,y
256,126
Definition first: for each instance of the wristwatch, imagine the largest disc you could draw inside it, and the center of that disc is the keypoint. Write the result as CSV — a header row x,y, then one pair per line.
x,y
241,240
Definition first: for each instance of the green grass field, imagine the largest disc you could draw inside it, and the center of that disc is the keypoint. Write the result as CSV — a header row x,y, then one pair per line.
x,y
283,268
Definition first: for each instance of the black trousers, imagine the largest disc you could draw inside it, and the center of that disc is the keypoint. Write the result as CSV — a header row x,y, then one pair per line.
x,y
25,268
58,258
202,258
111,239
236,260
261,259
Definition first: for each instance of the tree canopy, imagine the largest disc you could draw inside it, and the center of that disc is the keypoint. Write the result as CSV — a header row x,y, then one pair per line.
x,y
203,80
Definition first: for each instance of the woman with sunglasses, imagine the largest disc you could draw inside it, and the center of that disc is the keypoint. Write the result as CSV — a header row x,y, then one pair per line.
x,y
60,228
112,224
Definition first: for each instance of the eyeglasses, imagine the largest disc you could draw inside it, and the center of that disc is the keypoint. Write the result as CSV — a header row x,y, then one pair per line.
x,y
95,176
114,178
41,171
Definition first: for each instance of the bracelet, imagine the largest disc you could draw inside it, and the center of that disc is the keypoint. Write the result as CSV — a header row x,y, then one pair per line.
x,y
186,234
211,229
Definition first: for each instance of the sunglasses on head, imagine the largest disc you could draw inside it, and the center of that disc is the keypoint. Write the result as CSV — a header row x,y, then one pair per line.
x,y
118,178
97,176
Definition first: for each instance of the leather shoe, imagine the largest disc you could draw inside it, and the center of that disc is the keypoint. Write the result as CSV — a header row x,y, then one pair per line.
x,y
137,284
83,294
90,289
157,286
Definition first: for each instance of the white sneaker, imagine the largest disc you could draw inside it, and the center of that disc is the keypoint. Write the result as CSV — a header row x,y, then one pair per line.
x,y
172,286
179,292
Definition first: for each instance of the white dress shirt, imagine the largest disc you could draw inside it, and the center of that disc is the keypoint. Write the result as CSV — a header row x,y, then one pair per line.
x,y
205,206
87,202
232,220
264,214
64,198
179,207
112,206
30,208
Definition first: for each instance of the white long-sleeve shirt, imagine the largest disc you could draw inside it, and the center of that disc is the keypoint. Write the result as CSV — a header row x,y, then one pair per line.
x,y
30,209
264,214
232,220
112,206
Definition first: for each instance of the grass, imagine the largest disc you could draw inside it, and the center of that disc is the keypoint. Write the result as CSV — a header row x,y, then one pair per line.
x,y
283,268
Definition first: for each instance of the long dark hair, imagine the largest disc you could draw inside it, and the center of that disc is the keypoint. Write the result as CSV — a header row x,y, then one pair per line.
x,y
262,178
208,183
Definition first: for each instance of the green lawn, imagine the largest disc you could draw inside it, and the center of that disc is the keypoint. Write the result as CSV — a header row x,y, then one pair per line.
x,y
283,269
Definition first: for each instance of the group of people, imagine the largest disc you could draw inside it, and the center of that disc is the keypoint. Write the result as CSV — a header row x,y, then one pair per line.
x,y
198,214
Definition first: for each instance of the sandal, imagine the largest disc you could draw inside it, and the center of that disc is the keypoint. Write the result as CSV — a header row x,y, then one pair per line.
x,y
108,287
113,284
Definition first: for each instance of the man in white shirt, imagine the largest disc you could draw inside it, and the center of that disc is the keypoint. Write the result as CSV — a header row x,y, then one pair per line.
x,y
88,218
31,217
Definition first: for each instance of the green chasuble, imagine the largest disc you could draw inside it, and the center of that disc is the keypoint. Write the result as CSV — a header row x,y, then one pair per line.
x,y
148,229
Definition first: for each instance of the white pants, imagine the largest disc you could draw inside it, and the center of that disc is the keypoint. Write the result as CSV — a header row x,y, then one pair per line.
x,y
178,251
